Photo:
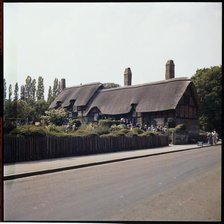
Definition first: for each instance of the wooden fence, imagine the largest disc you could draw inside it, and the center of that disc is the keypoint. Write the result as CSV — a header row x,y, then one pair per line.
x,y
18,149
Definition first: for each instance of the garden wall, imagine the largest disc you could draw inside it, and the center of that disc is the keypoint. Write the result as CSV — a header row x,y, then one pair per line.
x,y
18,149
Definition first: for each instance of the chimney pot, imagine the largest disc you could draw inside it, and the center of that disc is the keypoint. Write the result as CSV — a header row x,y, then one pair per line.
x,y
62,84
127,77
170,70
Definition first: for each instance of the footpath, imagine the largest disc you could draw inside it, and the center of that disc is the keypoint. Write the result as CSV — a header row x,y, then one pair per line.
x,y
33,168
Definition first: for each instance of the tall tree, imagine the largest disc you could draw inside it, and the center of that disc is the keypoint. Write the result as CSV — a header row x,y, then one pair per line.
x,y
16,90
10,92
56,87
33,89
40,88
28,88
208,83
5,89
17,110
22,92
50,97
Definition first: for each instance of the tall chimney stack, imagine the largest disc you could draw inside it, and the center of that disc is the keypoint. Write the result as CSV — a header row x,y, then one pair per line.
x,y
170,71
127,77
62,84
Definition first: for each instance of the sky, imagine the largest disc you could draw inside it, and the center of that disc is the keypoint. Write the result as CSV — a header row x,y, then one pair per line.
x,y
95,42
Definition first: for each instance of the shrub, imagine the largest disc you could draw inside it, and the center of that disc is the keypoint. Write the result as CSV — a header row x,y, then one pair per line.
x,y
29,130
149,133
108,122
119,127
137,131
77,122
100,130
55,116
121,132
54,128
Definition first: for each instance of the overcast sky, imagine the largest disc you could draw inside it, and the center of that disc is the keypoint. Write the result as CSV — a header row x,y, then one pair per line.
x,y
95,42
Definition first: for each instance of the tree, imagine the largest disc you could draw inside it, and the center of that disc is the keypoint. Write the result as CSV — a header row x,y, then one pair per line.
x,y
14,112
56,87
16,90
33,89
39,106
40,88
10,92
50,97
208,83
22,92
28,88
56,116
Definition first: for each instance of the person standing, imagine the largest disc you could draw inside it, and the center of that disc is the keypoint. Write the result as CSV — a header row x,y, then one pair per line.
x,y
214,137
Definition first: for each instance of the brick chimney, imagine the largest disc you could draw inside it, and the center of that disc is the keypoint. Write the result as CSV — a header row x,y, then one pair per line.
x,y
170,70
127,77
62,84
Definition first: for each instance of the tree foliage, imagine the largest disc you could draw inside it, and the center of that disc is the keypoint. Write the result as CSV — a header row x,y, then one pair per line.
x,y
28,87
56,87
208,83
55,116
40,88
16,92
33,89
10,92
22,92
50,97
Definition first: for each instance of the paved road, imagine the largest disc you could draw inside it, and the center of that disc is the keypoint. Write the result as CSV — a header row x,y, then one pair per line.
x,y
177,186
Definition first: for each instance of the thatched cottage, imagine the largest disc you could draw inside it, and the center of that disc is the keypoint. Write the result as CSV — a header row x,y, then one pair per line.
x,y
150,103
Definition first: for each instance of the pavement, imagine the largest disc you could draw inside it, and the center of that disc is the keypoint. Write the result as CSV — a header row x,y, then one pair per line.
x,y
40,167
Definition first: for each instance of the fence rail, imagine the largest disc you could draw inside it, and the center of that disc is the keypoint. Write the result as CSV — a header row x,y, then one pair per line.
x,y
18,149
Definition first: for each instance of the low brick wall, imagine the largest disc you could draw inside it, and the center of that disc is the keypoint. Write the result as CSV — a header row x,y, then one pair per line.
x,y
18,149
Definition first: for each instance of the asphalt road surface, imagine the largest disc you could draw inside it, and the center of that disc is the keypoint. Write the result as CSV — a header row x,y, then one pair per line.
x,y
181,186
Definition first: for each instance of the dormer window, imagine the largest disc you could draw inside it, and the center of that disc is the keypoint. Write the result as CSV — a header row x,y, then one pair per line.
x,y
58,104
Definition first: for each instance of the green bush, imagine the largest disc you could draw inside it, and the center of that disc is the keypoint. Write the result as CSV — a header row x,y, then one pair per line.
x,y
121,132
29,130
77,122
54,128
108,122
119,127
149,133
137,131
55,116
131,134
100,130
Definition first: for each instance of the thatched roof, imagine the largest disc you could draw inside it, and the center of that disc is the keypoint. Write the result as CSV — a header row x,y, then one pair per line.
x,y
151,97
81,94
